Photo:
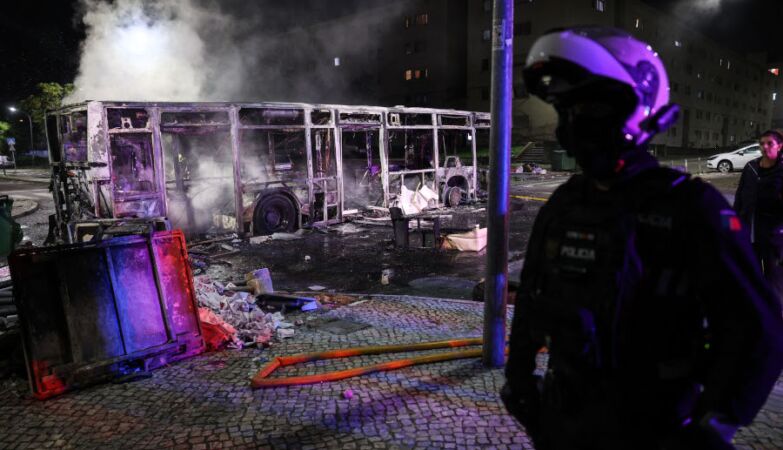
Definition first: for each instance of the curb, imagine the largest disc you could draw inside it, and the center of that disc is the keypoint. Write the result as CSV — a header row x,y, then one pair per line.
x,y
27,211
29,180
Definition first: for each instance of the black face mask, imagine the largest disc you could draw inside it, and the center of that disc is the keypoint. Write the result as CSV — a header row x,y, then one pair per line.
x,y
592,133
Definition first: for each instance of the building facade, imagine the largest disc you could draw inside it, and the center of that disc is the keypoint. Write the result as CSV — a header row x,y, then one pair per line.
x,y
437,53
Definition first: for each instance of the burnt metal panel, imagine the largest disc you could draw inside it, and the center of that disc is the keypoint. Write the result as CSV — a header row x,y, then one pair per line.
x,y
92,312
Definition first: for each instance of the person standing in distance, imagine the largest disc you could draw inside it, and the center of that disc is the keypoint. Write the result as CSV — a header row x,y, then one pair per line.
x,y
759,203
642,319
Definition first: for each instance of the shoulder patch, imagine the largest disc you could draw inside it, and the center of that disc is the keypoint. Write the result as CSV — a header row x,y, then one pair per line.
x,y
729,220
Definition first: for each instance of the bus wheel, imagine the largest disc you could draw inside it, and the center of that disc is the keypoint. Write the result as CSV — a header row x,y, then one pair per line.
x,y
275,213
454,196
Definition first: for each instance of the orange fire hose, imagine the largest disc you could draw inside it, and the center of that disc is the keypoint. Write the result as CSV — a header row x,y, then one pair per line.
x,y
260,380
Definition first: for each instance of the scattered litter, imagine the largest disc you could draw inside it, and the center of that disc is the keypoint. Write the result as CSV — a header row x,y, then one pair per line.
x,y
217,333
350,212
348,394
386,275
472,241
250,324
283,301
347,228
236,240
335,299
256,240
316,287
286,236
227,247
284,333
359,302
260,281
311,306
299,322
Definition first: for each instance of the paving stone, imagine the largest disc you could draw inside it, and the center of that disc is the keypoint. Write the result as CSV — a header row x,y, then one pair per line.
x,y
452,404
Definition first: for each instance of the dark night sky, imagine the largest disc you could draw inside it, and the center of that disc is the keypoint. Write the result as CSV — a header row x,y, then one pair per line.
x,y
41,37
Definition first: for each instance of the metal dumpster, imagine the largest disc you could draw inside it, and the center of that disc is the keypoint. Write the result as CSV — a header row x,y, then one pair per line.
x,y
91,312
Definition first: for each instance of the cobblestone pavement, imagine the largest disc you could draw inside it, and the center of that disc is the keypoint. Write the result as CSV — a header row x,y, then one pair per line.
x,y
206,402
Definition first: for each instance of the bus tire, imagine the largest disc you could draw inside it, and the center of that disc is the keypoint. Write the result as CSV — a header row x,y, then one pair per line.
x,y
453,196
274,213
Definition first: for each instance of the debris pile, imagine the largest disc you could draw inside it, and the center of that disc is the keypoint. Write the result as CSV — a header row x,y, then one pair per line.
x,y
232,318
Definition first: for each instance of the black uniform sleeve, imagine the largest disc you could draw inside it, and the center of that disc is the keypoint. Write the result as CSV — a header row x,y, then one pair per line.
x,y
520,394
744,317
738,200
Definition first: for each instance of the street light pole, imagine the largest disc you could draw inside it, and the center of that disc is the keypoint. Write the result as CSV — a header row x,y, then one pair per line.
x,y
496,286
14,109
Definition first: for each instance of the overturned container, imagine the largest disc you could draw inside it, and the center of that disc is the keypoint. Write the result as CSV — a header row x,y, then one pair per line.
x,y
97,311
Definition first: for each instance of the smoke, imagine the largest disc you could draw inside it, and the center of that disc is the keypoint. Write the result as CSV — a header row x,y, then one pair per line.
x,y
699,11
205,50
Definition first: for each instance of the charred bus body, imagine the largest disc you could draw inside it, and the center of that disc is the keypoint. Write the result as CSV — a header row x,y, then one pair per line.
x,y
253,168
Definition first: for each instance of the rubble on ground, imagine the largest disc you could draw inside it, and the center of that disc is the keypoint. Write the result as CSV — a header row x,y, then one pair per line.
x,y
249,325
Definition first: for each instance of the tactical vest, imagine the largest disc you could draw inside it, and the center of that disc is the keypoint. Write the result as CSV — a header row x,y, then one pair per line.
x,y
612,276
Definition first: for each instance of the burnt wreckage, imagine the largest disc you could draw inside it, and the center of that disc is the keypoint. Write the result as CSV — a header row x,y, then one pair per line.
x,y
252,168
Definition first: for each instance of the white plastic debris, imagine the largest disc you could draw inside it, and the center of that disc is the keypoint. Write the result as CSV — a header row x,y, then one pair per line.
x,y
472,241
256,240
284,333
316,287
311,306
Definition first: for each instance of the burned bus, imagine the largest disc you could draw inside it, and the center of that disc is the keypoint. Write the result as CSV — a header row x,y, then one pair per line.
x,y
252,168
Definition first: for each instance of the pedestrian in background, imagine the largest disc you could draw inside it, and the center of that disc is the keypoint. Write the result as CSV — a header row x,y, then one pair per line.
x,y
642,319
759,204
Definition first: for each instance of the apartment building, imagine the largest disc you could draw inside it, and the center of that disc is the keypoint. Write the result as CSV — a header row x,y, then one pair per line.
x,y
438,53
726,97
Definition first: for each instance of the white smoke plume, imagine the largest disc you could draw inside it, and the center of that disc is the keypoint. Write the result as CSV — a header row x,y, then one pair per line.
x,y
205,50
698,10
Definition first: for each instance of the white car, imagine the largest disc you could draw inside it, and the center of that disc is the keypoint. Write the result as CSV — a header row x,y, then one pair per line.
x,y
735,160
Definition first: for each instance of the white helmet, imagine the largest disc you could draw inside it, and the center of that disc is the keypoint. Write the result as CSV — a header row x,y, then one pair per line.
x,y
566,61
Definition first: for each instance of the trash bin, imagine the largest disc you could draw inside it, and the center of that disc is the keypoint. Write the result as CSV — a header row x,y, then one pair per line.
x,y
10,231
562,162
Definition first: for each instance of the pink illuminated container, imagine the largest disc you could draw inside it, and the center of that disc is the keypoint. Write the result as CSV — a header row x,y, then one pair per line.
x,y
95,311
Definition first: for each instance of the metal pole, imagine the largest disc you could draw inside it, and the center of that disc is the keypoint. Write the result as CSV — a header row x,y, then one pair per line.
x,y
499,166
32,145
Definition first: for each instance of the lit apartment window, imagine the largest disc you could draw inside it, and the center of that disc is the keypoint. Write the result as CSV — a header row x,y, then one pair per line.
x,y
637,23
409,74
720,63
774,96
407,22
417,74
422,19
728,64
599,5
775,71
677,43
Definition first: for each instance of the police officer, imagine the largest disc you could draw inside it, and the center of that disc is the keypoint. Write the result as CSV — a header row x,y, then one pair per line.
x,y
642,320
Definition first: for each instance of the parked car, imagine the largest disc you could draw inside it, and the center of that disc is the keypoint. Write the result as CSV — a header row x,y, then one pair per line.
x,y
734,160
